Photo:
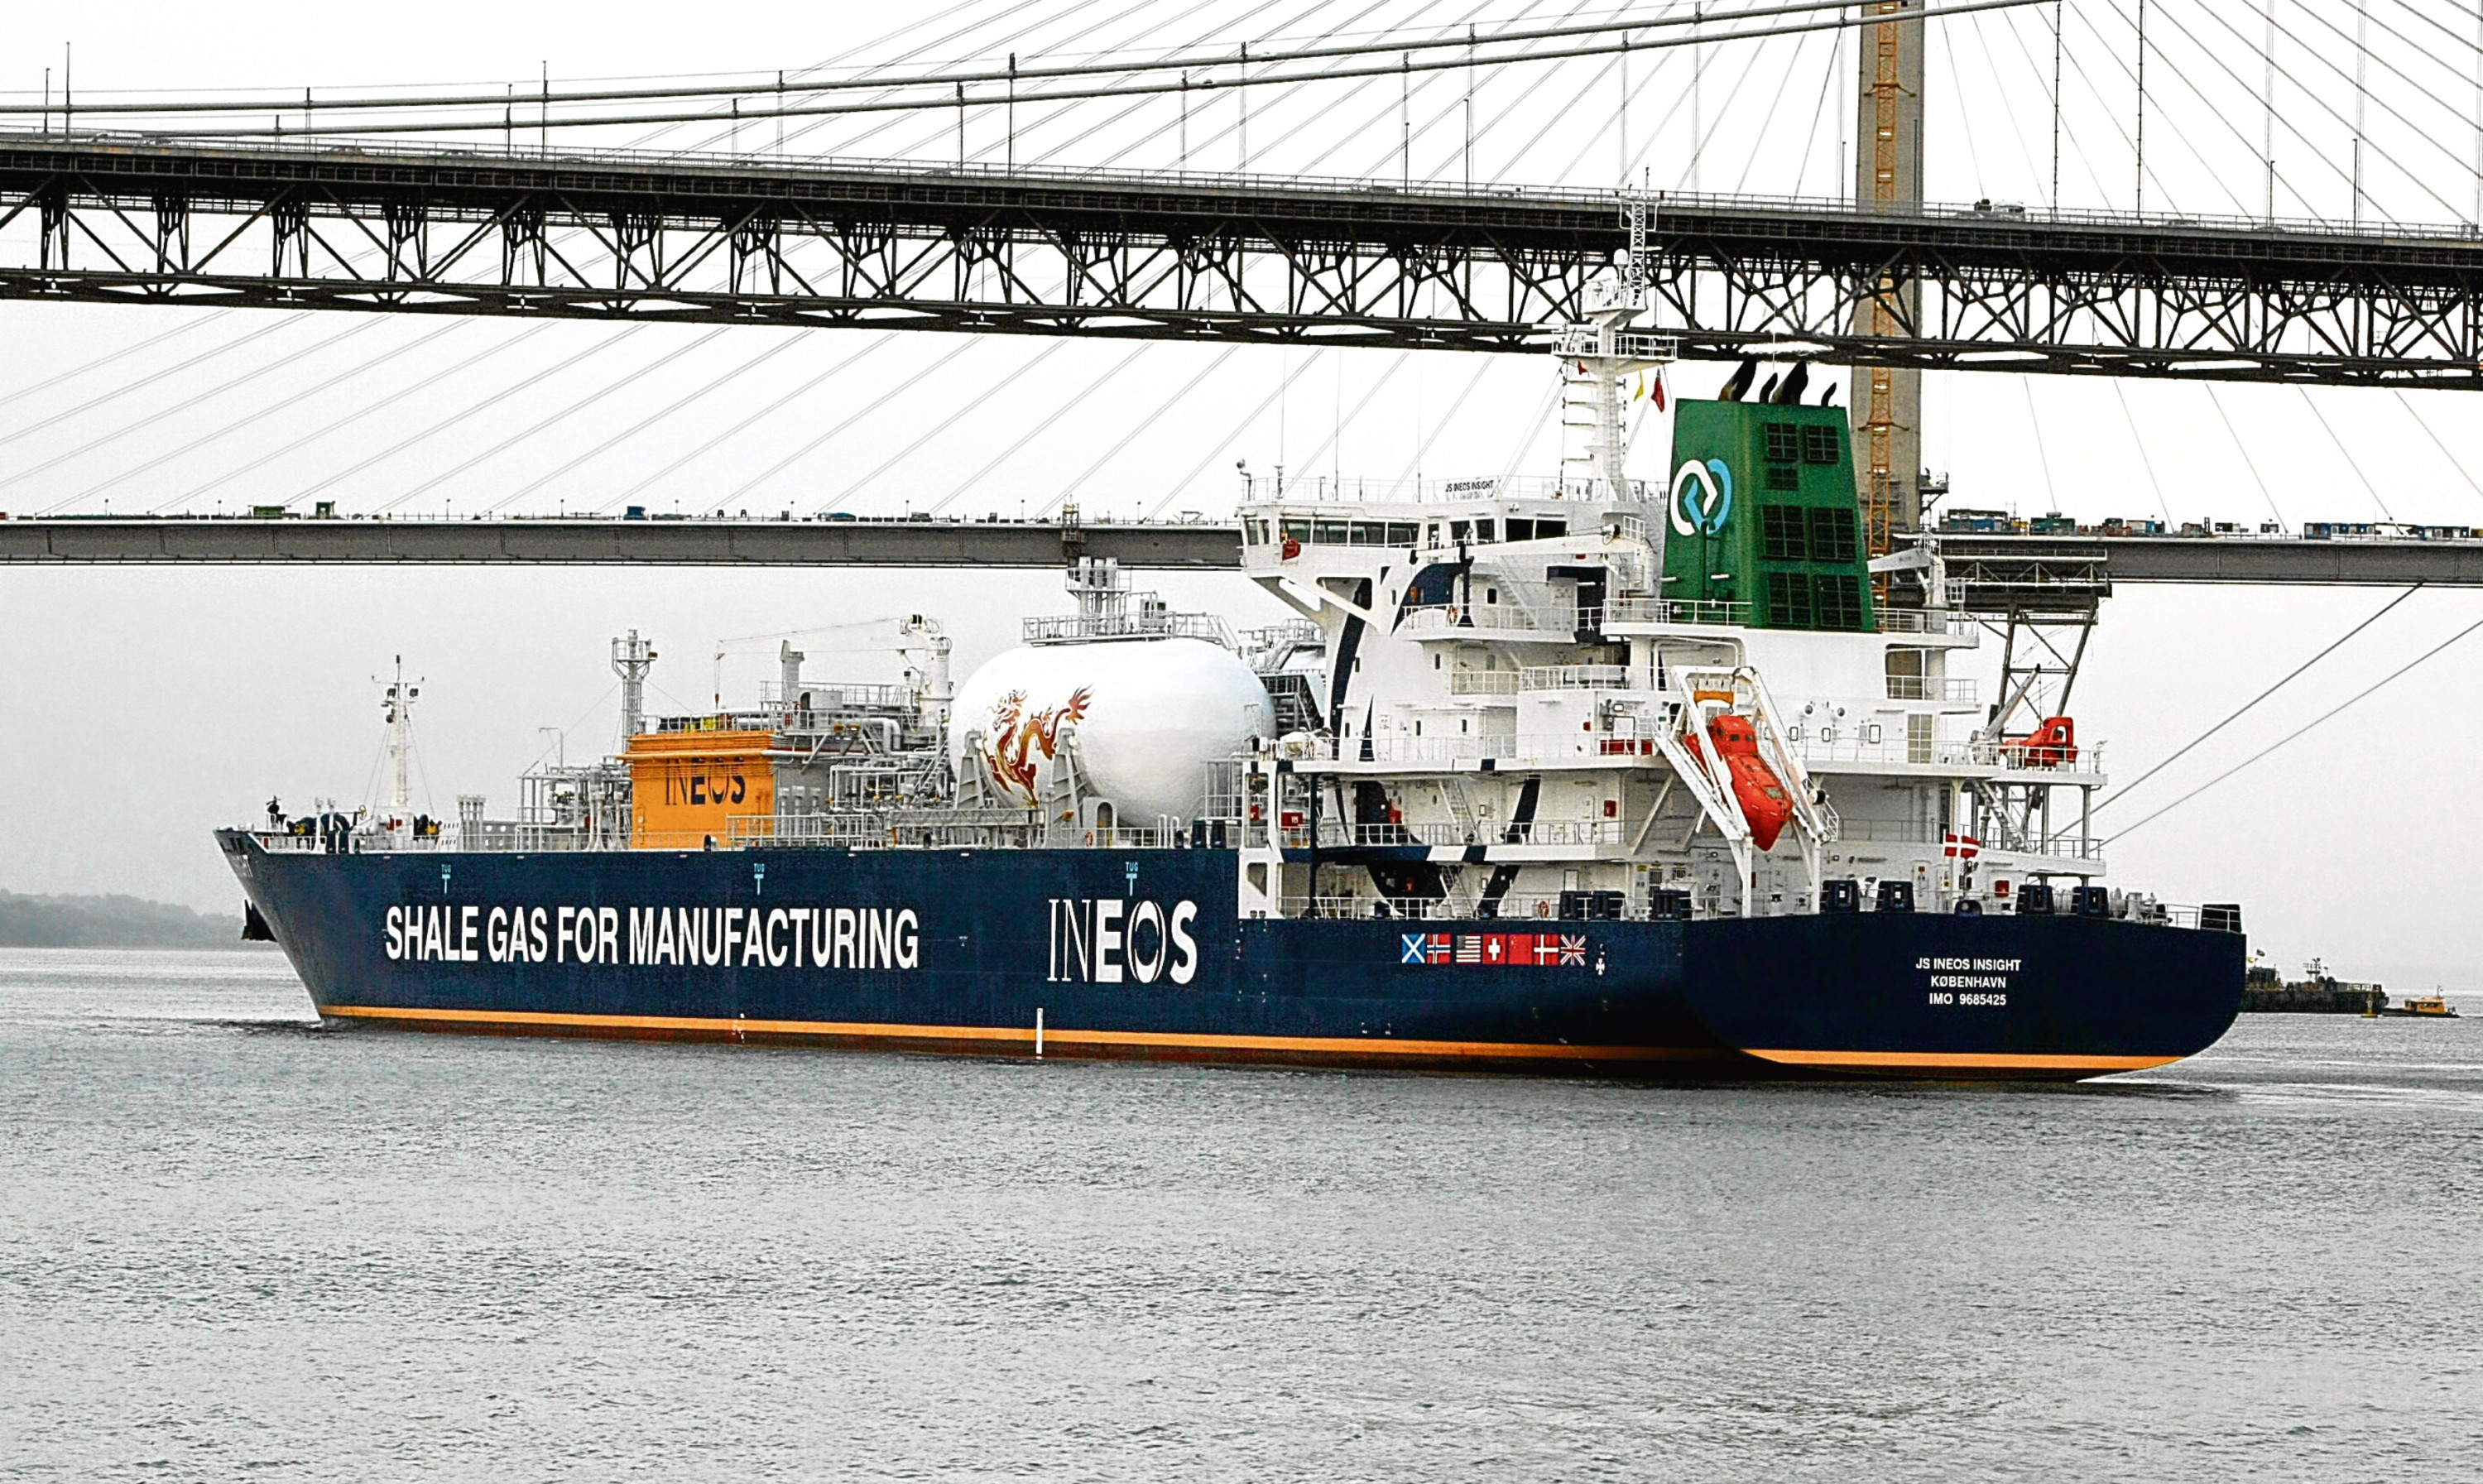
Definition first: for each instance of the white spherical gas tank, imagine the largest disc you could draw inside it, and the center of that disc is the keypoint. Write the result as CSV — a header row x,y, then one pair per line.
x,y
1149,715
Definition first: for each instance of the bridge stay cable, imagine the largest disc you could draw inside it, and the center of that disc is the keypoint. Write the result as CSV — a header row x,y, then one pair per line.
x,y
885,339
2290,675
2299,732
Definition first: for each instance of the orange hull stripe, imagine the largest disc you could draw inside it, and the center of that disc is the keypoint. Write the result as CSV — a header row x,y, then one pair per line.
x,y
1964,1060
1004,1036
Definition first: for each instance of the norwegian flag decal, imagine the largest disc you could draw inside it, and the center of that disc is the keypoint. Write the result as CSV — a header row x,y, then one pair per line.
x,y
1522,950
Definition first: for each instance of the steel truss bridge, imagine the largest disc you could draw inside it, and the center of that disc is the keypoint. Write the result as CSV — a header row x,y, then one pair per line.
x,y
605,236
1984,572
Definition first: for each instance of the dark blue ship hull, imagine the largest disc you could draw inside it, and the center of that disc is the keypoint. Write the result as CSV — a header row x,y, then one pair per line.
x,y
1139,954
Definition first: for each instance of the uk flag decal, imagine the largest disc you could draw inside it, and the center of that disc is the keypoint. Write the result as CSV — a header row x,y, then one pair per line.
x,y
1573,950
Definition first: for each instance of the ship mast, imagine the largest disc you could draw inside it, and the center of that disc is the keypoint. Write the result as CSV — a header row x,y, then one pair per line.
x,y
632,658
1596,354
398,707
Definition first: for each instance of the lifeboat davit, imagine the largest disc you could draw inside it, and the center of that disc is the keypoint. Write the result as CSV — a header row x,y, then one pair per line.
x,y
2052,744
1764,799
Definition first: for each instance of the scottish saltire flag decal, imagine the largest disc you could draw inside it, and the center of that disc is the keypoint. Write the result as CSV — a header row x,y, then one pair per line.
x,y
1524,950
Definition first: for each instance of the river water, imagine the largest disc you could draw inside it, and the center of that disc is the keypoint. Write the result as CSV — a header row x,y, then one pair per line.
x,y
233,1242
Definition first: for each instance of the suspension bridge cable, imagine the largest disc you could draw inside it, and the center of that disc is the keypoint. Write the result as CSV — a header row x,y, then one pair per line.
x,y
1248,420
884,398
2138,441
2380,96
2243,448
885,339
2230,125
48,381
404,443
919,51
1758,144
200,492
2248,705
2055,95
1031,28
966,407
653,420
2424,424
2042,454
272,408
1992,69
152,378
1390,141
1051,418
2315,96
2298,734
1336,433
937,104
1414,465
1828,89
158,414
1495,71
1531,432
951,78
1280,99
627,380
1070,490
933,18
2346,454
2180,136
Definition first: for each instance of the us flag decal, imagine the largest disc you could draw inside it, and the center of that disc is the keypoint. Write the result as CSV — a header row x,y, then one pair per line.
x,y
1532,950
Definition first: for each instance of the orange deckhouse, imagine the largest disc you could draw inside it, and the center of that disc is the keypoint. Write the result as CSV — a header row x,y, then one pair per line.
x,y
686,788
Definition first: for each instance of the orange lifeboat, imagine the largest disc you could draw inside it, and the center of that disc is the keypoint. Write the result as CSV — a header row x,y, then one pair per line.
x,y
2052,744
1765,801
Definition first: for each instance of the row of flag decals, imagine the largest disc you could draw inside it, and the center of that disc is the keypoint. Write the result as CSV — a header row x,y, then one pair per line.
x,y
1541,950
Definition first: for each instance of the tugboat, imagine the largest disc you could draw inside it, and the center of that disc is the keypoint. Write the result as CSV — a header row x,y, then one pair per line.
x,y
1564,775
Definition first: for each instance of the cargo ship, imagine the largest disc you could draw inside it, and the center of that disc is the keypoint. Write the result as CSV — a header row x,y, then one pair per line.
x,y
1568,775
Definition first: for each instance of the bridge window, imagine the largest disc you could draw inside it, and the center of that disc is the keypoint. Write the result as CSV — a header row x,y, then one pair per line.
x,y
1818,444
1520,529
1403,532
1549,529
1298,528
1333,533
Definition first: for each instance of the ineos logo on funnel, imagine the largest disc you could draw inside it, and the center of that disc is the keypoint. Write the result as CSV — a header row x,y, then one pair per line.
x,y
1703,497
1109,939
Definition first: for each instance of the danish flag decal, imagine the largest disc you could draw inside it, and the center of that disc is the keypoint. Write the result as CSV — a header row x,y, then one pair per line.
x,y
1963,847
1529,950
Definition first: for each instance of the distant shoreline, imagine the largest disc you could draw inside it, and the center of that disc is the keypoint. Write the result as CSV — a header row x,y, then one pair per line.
x,y
110,922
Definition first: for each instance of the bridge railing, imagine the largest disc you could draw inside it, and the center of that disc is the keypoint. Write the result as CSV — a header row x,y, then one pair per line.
x,y
759,162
